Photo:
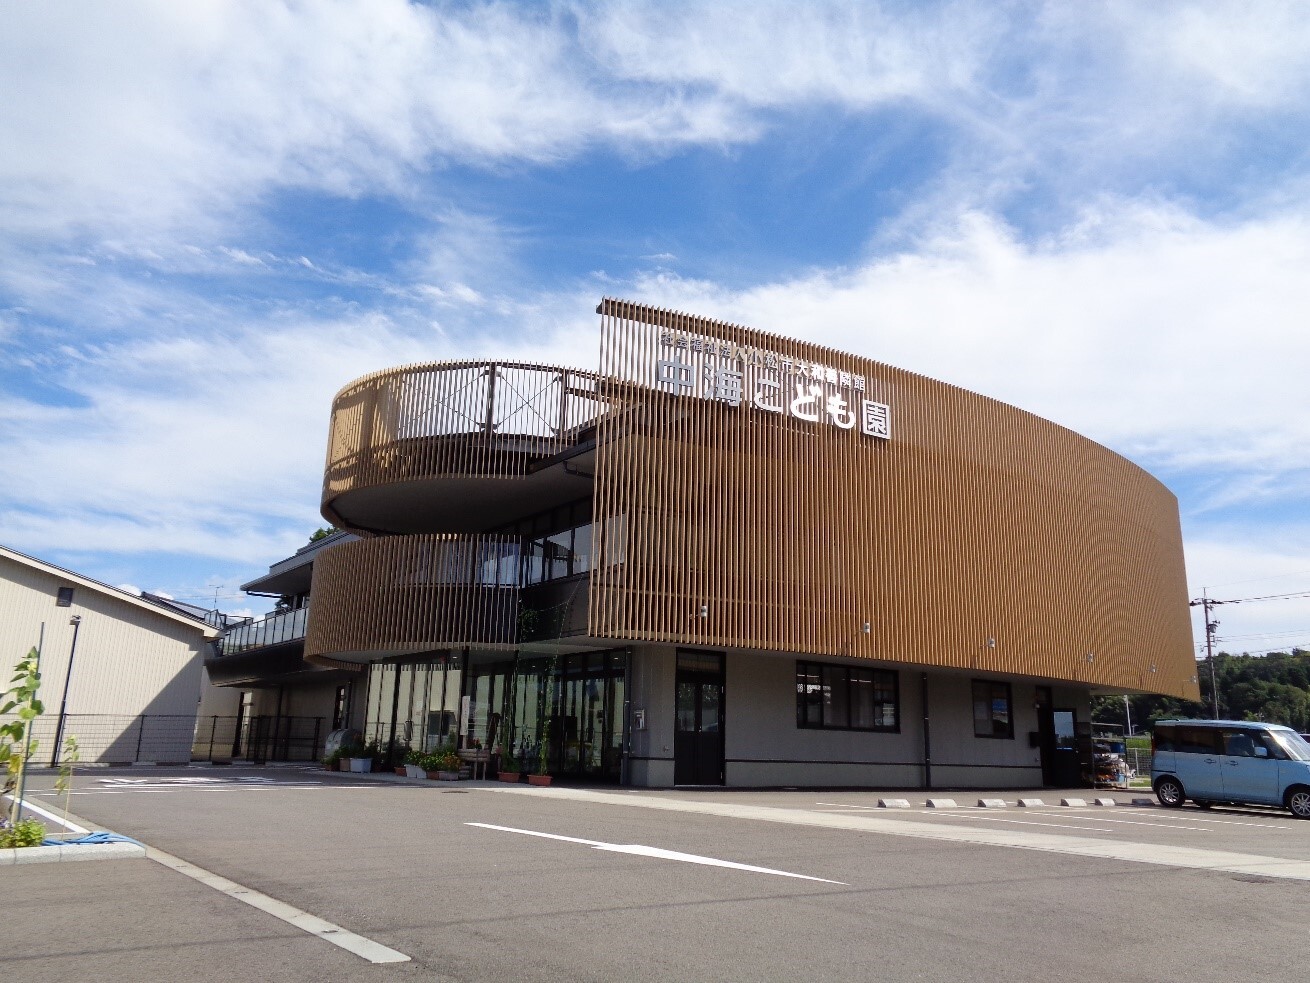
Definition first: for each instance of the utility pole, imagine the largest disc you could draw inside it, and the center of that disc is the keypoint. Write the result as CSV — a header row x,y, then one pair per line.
x,y
1206,602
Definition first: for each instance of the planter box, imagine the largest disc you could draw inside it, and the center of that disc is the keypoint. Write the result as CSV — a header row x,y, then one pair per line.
x,y
539,779
509,776
400,770
360,764
444,776
414,771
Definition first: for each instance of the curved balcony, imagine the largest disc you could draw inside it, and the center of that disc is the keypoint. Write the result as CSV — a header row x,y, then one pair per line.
x,y
400,595
429,448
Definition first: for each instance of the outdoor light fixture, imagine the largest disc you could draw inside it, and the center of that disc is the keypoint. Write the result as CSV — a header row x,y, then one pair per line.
x,y
76,622
704,610
865,629
991,643
1091,656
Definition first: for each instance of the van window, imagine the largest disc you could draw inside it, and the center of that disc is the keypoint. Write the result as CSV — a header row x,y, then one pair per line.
x,y
1239,743
1197,740
1292,743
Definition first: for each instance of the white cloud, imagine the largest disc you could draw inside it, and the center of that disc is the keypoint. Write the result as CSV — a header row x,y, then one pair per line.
x,y
1144,327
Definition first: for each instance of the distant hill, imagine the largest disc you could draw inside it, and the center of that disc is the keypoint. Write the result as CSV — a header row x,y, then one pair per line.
x,y
1273,687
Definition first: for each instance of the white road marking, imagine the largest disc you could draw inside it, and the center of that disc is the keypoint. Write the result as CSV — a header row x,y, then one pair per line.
x,y
1157,854
656,852
1031,822
32,807
374,952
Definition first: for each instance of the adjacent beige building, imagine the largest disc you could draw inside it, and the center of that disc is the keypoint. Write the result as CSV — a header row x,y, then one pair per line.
x,y
136,664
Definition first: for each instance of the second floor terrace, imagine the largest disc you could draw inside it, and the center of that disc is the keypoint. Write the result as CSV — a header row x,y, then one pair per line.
x,y
458,446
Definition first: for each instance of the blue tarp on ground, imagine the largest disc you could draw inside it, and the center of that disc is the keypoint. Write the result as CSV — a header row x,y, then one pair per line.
x,y
100,836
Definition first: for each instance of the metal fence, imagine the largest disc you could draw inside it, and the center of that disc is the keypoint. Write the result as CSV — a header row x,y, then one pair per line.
x,y
260,738
124,739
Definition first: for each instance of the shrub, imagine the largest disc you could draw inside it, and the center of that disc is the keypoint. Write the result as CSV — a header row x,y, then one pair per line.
x,y
24,833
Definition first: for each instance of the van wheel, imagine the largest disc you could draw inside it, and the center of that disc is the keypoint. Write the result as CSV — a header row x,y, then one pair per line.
x,y
1298,801
1170,793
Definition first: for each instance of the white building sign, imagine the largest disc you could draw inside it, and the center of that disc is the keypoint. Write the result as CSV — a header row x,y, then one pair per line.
x,y
742,375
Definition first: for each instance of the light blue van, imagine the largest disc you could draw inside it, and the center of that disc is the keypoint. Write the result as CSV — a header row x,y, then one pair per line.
x,y
1236,761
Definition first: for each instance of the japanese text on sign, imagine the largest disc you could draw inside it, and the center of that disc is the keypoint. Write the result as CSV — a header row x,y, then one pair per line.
x,y
741,375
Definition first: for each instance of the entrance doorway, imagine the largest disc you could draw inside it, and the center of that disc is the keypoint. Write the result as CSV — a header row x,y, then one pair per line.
x,y
698,735
1057,736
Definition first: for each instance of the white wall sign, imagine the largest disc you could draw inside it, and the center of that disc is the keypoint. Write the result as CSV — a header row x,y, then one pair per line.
x,y
707,368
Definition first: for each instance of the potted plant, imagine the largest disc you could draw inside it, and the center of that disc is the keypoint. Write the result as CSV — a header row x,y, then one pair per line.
x,y
510,769
542,777
356,758
332,762
413,767
442,764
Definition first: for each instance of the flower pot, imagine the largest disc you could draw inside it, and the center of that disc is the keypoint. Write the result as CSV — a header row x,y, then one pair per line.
x,y
509,776
539,779
444,776
400,770
361,764
414,771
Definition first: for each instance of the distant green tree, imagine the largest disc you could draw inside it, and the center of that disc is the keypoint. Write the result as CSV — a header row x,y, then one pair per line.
x,y
322,533
1273,688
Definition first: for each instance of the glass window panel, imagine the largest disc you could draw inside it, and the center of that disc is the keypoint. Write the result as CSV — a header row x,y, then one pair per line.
x,y
862,699
709,708
836,697
582,548
559,554
686,711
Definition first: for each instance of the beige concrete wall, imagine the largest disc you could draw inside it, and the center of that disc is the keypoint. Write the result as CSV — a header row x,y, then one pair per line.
x,y
129,660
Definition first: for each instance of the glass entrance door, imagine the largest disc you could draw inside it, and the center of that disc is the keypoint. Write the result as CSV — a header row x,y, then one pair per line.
x,y
698,734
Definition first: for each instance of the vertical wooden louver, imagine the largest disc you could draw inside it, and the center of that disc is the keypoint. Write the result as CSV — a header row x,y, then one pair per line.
x,y
456,419
974,536
396,595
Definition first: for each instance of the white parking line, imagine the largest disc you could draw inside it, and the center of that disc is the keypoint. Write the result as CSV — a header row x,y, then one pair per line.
x,y
656,852
33,807
1186,818
1029,822
374,952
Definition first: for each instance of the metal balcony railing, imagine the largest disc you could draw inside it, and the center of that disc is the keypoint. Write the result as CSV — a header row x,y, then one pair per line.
x,y
272,629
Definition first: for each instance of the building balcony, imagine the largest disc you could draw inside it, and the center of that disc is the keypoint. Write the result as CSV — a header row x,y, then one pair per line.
x,y
458,446
401,595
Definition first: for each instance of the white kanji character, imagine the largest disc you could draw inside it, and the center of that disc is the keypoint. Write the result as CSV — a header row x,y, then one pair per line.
x,y
838,412
677,374
844,380
816,370
774,391
806,395
875,419
830,375
725,385
697,344
771,361
859,383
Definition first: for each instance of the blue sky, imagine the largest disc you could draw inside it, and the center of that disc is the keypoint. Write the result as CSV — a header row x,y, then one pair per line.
x,y
214,215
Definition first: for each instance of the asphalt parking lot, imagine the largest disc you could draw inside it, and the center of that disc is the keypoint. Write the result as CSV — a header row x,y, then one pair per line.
x,y
476,881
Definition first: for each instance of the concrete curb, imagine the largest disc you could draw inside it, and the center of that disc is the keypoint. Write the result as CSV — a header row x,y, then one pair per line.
x,y
71,852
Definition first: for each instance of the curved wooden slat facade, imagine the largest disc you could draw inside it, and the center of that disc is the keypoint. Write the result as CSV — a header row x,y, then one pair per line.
x,y
870,513
465,419
976,536
399,595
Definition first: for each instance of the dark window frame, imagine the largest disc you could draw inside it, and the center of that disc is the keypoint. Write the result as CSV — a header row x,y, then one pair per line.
x,y
64,598
995,687
877,679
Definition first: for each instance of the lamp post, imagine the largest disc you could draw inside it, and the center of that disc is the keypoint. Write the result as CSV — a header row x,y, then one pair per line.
x,y
76,622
